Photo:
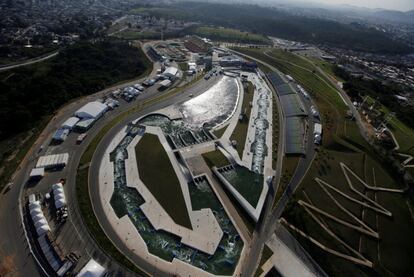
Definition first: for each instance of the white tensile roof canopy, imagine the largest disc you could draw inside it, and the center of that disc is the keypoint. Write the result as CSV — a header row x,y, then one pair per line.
x,y
91,110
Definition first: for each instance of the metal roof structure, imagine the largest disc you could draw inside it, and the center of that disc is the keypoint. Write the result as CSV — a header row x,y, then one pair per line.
x,y
60,134
70,123
165,83
93,109
85,124
285,89
170,71
275,79
38,218
51,161
37,172
294,135
292,105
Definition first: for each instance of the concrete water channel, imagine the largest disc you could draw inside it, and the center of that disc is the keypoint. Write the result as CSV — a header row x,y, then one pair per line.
x,y
190,125
213,107
127,201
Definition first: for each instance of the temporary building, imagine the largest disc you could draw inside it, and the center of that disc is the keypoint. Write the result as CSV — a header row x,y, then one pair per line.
x,y
40,222
60,135
165,83
36,211
38,218
93,109
42,230
92,269
70,123
170,72
59,195
52,161
37,173
34,205
85,124
32,198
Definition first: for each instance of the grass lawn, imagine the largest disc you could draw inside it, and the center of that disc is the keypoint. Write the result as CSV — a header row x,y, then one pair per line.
x,y
288,169
135,35
231,35
215,158
219,133
157,173
266,254
240,131
326,167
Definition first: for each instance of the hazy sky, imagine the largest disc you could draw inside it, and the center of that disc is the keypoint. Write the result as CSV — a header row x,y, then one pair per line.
x,y
403,5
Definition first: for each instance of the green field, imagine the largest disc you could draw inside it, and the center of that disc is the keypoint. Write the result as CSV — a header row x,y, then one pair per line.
x,y
158,175
326,167
215,158
240,131
230,35
289,166
266,254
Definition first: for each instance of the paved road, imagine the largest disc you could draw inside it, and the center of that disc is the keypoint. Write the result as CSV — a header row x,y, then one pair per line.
x,y
29,62
16,245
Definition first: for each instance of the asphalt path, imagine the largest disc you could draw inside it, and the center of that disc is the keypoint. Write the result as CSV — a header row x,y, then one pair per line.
x,y
29,62
16,245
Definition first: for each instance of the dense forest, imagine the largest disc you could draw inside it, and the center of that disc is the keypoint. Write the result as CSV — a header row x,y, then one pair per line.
x,y
29,93
274,22
384,93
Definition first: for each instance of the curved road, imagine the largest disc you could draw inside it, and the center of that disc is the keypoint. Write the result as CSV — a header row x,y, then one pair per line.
x,y
29,62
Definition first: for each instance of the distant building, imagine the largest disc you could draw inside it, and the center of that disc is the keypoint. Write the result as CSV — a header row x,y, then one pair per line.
x,y
197,45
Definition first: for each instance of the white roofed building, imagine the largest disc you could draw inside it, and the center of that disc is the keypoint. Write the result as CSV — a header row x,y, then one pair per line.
x,y
93,110
52,161
170,72
70,123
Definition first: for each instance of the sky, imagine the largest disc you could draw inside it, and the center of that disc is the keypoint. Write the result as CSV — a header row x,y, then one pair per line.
x,y
402,5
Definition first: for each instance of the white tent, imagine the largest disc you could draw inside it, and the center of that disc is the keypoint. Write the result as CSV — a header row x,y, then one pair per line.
x,y
57,186
40,222
92,269
37,172
93,109
42,230
170,72
36,210
37,217
70,123
34,205
59,203
52,161
59,195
